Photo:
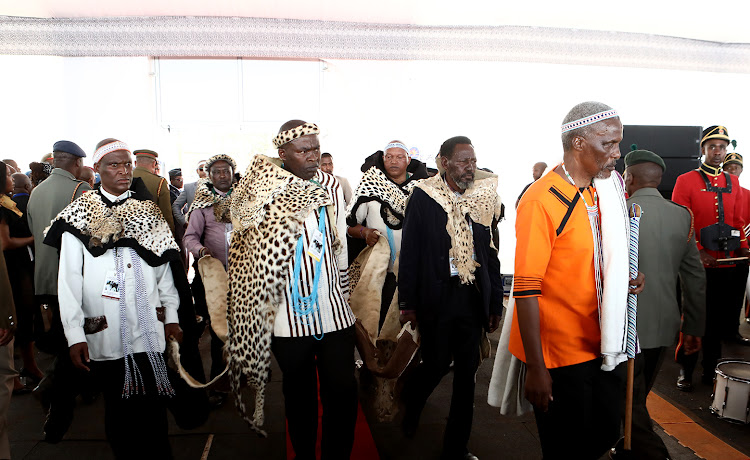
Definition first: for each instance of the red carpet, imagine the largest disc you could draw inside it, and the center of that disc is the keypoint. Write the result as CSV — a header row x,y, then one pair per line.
x,y
364,445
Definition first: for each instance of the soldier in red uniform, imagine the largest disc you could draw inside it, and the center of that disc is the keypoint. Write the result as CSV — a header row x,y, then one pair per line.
x,y
718,204
733,165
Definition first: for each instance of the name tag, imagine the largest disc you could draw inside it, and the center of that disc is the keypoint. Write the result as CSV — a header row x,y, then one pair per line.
x,y
454,270
735,233
111,289
315,250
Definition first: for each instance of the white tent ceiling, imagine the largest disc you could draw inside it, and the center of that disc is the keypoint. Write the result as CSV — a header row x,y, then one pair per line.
x,y
727,21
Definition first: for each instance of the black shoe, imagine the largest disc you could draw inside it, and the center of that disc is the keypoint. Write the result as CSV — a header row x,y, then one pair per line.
x,y
684,382
742,340
216,399
58,421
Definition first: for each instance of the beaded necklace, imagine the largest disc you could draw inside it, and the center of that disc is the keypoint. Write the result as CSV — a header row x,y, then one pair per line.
x,y
593,215
305,307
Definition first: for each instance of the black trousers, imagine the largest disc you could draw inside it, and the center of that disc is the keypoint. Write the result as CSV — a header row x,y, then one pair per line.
x,y
452,334
583,420
646,444
333,358
725,291
136,427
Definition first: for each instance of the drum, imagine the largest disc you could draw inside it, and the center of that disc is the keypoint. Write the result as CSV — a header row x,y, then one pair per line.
x,y
732,391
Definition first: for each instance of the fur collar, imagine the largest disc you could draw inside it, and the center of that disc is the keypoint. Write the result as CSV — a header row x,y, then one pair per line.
x,y
101,225
376,186
480,202
206,197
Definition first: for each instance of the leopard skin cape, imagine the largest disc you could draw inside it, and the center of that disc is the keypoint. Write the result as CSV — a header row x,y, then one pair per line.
x,y
136,223
206,197
269,206
375,186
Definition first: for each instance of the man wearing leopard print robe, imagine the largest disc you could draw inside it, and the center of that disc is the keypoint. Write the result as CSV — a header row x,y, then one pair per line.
x,y
289,293
115,285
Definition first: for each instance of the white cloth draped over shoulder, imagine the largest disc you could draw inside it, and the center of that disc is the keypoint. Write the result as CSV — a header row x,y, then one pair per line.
x,y
506,389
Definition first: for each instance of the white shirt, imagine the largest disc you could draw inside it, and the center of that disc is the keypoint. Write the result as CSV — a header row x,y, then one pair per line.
x,y
81,279
333,288
370,211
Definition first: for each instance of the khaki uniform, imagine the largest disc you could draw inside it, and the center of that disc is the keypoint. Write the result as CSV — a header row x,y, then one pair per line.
x,y
159,188
46,201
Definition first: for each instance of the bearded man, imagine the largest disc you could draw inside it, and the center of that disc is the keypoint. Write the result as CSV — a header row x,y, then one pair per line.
x,y
450,284
570,288
289,290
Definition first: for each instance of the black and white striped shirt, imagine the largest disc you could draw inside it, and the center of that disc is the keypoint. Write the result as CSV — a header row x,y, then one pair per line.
x,y
333,312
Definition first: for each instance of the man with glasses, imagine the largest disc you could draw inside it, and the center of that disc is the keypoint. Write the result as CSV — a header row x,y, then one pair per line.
x,y
183,202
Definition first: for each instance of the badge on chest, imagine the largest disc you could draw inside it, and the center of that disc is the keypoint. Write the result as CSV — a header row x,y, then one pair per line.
x,y
111,289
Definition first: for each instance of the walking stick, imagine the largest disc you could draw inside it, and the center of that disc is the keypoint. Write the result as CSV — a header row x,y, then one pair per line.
x,y
631,347
629,405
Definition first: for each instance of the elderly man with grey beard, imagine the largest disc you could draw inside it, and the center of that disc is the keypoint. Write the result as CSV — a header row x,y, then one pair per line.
x,y
449,283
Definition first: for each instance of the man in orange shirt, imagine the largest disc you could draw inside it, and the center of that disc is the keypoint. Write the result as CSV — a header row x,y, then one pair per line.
x,y
556,325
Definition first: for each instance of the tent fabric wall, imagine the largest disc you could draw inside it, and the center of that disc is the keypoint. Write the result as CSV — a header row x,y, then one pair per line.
x,y
168,36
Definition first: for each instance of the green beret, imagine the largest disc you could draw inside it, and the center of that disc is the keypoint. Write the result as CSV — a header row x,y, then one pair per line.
x,y
644,156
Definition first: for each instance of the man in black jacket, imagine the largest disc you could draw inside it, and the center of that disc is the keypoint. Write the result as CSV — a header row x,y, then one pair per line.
x,y
449,281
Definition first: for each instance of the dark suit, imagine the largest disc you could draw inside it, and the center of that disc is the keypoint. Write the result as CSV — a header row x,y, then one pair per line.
x,y
451,315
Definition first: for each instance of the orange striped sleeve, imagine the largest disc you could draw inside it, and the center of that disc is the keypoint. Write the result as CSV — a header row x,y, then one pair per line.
x,y
535,234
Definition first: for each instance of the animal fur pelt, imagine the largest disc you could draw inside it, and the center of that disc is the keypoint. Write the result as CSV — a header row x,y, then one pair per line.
x,y
375,186
480,202
206,197
215,280
135,222
386,353
269,206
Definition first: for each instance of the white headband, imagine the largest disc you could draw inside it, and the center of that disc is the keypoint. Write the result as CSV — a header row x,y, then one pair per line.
x,y
398,145
591,119
109,148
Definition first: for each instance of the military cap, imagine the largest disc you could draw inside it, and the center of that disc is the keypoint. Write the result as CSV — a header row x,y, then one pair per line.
x,y
146,152
733,157
644,156
715,132
68,147
176,172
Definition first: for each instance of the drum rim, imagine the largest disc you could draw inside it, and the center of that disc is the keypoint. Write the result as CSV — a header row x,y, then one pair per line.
x,y
729,377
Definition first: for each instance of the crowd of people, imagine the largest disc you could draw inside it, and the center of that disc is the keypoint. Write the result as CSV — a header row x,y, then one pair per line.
x,y
97,262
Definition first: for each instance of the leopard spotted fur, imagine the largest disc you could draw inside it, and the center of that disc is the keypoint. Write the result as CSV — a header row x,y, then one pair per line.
x,y
269,206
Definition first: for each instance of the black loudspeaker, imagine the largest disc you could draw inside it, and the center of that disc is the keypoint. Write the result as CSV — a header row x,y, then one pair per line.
x,y
665,141
679,146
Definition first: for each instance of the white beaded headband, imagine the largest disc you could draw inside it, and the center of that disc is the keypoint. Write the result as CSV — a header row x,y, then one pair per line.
x,y
294,133
109,148
398,145
591,119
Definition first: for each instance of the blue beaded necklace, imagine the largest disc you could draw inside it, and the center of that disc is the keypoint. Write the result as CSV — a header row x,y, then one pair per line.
x,y
306,306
